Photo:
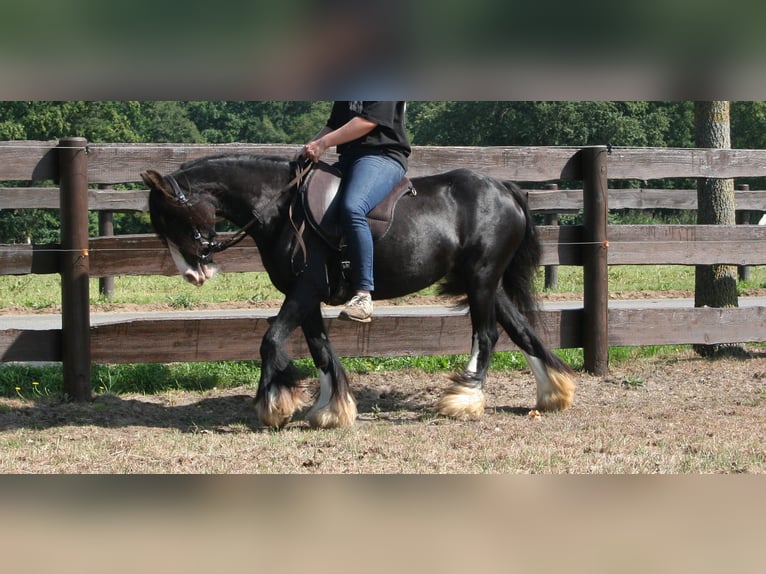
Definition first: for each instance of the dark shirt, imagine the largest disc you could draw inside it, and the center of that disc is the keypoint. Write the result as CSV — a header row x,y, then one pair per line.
x,y
389,137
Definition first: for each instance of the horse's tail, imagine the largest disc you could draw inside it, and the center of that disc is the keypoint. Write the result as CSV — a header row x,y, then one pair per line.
x,y
518,277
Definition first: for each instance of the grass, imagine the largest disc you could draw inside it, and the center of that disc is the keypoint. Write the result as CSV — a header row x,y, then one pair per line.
x,y
36,292
43,291
33,382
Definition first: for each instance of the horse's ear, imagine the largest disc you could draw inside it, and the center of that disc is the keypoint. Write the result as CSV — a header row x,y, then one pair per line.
x,y
153,179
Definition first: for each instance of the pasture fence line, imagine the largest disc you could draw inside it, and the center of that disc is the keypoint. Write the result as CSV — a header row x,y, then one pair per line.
x,y
86,172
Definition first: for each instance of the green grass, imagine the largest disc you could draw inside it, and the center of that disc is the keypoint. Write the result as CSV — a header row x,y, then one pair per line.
x,y
645,278
42,291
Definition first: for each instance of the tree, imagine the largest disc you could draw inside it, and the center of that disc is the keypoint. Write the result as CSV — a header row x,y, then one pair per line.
x,y
715,285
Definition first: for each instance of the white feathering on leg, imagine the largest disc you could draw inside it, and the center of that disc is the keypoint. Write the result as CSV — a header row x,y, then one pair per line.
x,y
276,409
555,390
329,411
462,402
339,412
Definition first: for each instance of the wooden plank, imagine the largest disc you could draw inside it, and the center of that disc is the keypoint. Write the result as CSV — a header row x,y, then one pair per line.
x,y
514,163
687,244
562,244
636,327
653,199
22,259
29,345
122,200
29,198
28,161
146,255
404,332
554,201
98,199
116,163
682,199
559,201
210,339
658,163
120,162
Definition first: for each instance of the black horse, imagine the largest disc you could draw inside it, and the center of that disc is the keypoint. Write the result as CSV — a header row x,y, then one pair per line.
x,y
471,231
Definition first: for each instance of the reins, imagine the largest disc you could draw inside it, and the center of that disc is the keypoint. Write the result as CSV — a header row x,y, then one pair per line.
x,y
209,247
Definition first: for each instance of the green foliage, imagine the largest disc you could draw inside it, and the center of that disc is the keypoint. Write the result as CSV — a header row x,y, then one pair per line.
x,y
551,123
129,223
258,122
37,226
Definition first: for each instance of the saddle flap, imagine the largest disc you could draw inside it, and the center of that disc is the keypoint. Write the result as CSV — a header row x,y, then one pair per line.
x,y
321,190
320,200
319,195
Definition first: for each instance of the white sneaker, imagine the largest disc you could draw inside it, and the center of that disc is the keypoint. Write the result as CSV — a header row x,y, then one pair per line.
x,y
359,308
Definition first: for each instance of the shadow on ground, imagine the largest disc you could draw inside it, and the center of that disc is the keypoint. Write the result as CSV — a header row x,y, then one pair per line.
x,y
231,411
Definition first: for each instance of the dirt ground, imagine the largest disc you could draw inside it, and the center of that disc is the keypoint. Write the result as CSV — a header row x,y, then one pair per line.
x,y
677,414
681,414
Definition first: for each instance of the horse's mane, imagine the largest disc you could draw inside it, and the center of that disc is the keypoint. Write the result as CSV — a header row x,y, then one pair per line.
x,y
231,159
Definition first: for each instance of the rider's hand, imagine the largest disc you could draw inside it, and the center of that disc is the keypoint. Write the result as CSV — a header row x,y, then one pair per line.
x,y
314,150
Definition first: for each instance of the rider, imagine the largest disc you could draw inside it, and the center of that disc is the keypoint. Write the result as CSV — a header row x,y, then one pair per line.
x,y
373,149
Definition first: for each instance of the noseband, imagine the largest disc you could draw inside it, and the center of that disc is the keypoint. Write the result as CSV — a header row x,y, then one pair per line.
x,y
207,245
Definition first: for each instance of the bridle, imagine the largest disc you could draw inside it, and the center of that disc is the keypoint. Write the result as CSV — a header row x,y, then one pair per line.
x,y
207,245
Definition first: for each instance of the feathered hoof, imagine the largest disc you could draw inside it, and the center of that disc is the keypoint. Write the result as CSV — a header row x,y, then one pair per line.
x,y
337,413
462,402
278,406
558,394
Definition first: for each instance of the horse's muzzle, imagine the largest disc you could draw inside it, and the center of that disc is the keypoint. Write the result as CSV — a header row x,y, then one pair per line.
x,y
199,275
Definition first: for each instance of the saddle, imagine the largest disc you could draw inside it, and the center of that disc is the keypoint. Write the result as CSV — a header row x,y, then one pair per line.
x,y
320,201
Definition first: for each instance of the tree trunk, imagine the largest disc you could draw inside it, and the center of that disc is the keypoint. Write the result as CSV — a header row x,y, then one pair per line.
x,y
715,285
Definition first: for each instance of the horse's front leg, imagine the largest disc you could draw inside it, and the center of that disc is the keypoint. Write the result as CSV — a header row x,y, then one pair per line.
x,y
335,405
278,395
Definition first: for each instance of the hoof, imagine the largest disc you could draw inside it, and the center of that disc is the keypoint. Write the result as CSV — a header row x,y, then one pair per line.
x,y
558,394
337,413
462,402
278,406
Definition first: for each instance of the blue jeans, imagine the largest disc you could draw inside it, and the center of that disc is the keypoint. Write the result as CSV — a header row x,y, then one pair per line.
x,y
366,182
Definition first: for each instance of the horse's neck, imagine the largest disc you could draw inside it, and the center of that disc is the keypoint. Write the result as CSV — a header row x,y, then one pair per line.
x,y
243,196
258,194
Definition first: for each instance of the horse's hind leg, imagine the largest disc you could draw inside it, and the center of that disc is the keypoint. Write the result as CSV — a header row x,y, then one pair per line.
x,y
335,406
465,399
555,379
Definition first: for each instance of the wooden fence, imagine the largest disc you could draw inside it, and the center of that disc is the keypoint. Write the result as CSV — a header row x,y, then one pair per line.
x,y
84,173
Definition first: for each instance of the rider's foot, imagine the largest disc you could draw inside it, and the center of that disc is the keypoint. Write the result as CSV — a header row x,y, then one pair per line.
x,y
359,308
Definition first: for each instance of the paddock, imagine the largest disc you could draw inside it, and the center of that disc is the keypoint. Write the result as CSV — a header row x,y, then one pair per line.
x,y
84,174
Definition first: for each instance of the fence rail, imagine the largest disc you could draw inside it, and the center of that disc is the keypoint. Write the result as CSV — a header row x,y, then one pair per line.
x,y
593,325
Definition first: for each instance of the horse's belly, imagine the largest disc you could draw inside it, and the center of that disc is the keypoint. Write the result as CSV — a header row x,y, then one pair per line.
x,y
407,277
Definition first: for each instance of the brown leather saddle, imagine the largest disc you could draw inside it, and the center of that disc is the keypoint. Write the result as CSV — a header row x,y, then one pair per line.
x,y
320,201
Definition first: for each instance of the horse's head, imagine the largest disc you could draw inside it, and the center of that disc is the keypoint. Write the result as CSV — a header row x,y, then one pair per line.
x,y
185,223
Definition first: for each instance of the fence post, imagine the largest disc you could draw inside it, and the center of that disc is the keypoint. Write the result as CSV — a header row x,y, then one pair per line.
x,y
551,271
75,268
595,267
743,218
106,229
